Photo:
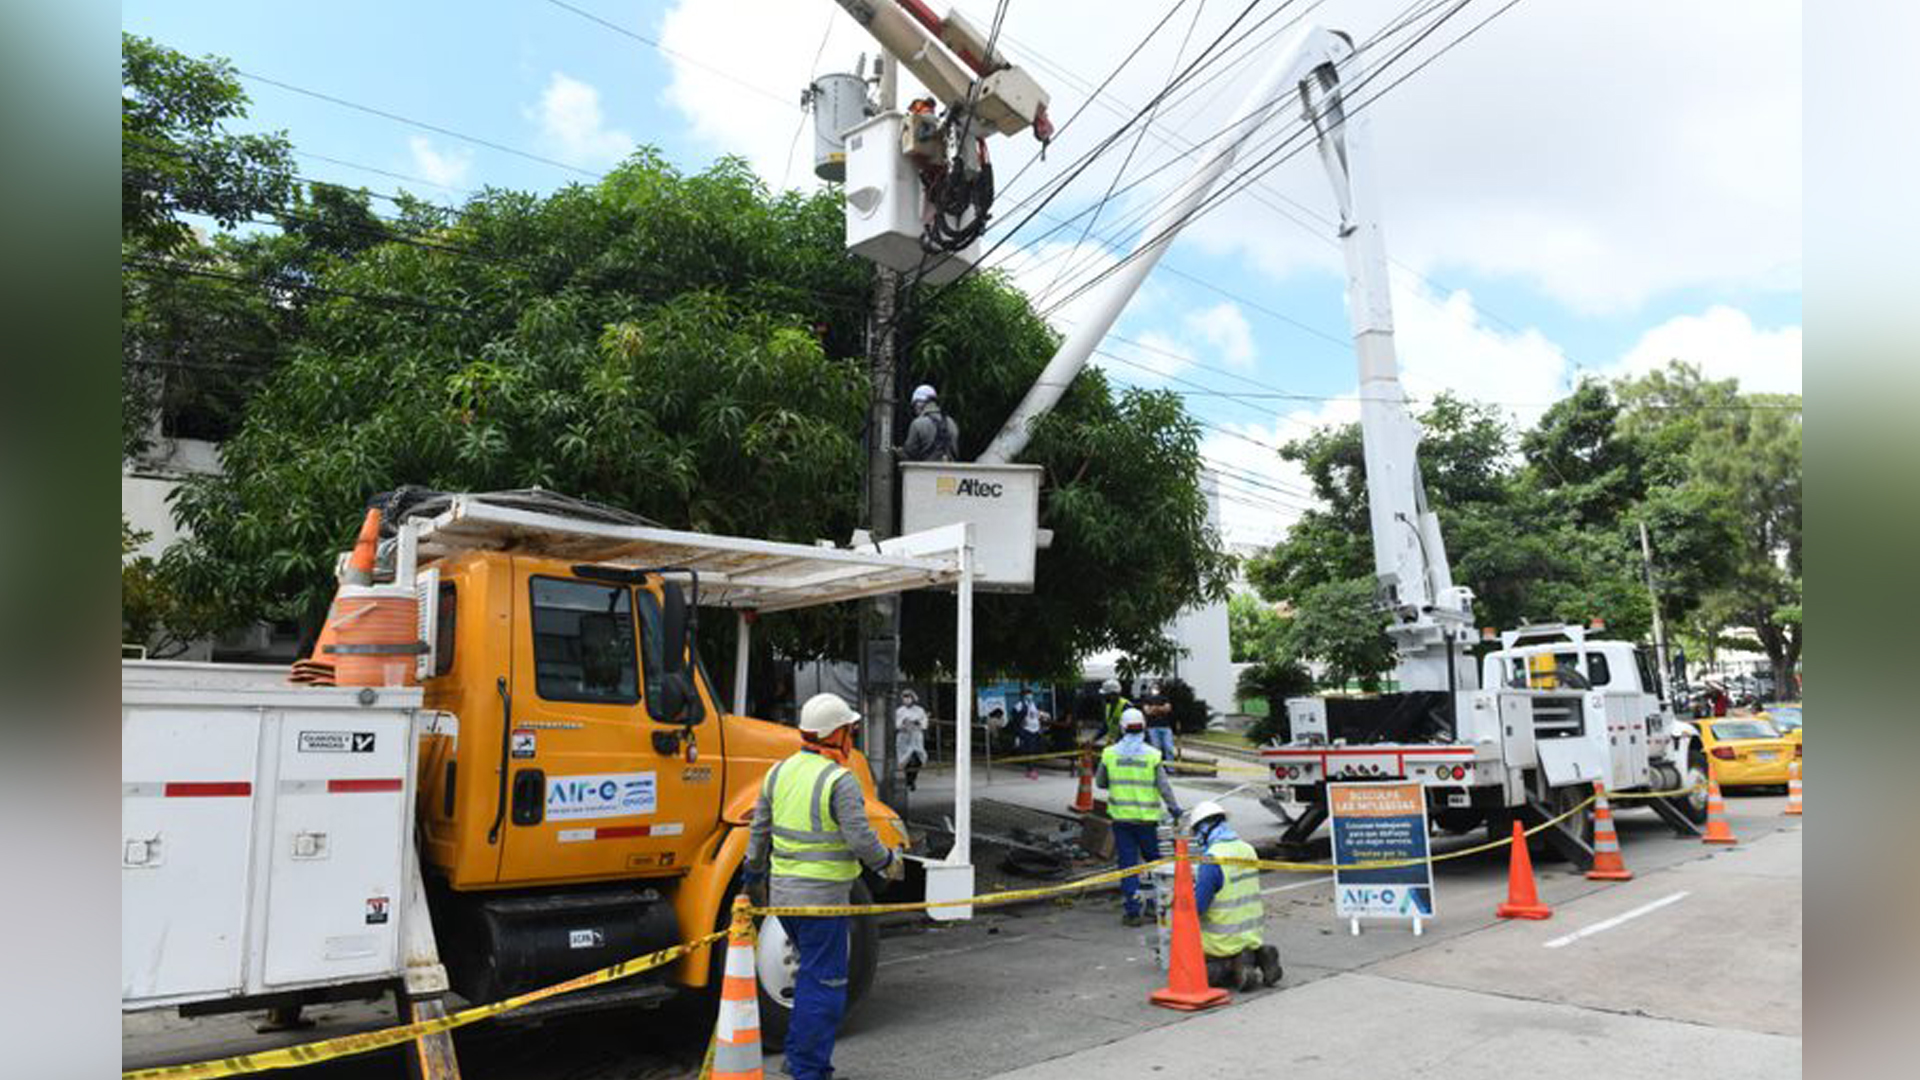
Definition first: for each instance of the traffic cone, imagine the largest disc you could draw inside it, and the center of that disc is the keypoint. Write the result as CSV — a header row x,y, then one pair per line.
x,y
1083,801
1186,987
1717,830
1794,806
1607,864
1523,902
736,1035
365,548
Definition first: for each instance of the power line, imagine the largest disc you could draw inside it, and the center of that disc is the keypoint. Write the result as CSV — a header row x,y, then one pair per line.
x,y
178,269
677,54
421,124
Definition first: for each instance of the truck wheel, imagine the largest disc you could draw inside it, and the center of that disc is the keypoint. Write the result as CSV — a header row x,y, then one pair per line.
x,y
778,966
1694,803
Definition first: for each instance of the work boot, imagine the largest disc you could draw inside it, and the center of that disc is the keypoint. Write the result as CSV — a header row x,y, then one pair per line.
x,y
1132,918
1268,958
1245,971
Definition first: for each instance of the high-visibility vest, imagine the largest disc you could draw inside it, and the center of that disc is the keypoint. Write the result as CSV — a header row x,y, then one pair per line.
x,y
1114,710
806,837
1235,920
1132,794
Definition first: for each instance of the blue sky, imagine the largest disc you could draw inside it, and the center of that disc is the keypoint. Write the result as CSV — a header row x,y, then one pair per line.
x,y
1564,194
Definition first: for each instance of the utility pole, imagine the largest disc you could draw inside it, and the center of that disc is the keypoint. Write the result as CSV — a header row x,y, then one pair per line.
x,y
880,616
1659,629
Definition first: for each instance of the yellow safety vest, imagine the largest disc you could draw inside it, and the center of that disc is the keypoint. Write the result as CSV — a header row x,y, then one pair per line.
x,y
1114,710
806,838
1235,921
1132,794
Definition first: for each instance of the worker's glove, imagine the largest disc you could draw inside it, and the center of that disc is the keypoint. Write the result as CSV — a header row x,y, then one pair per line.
x,y
1178,814
896,868
756,883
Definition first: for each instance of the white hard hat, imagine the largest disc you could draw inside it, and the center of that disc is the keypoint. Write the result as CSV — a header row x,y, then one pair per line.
x,y
1131,719
923,392
1111,686
908,695
1203,813
824,714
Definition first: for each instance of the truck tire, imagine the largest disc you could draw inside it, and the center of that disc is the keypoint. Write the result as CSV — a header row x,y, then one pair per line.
x,y
776,966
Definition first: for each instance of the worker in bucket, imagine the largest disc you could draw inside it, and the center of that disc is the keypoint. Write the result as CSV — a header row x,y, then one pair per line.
x,y
1232,918
932,436
1136,783
810,824
910,736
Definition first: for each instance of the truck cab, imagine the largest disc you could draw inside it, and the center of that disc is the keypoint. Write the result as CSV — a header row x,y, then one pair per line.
x,y
582,798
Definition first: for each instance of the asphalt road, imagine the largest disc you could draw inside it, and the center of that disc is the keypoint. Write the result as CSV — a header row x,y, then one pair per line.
x,y
1062,985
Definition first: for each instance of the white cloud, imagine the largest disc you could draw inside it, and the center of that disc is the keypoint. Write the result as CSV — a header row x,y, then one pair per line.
x,y
1224,327
447,168
573,125
1444,344
1723,342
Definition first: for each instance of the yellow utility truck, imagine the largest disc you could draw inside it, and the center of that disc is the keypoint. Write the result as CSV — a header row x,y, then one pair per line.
x,y
554,786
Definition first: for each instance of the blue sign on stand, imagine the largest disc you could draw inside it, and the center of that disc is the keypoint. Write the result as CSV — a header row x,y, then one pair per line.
x,y
1377,822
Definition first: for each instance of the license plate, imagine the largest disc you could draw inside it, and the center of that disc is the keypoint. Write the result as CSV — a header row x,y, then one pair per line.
x,y
1459,798
1767,755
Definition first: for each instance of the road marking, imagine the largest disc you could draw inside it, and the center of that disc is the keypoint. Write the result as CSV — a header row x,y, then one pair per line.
x,y
1608,924
953,951
1296,885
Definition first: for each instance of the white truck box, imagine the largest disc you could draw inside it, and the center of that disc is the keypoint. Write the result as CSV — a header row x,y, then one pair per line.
x,y
264,833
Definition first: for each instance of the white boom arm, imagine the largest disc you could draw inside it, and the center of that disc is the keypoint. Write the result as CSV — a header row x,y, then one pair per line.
x,y
1430,615
948,55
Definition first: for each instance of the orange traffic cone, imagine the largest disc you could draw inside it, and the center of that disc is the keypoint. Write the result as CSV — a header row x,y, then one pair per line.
x,y
365,548
1717,830
1607,864
1083,801
1523,901
736,1035
1794,804
1186,987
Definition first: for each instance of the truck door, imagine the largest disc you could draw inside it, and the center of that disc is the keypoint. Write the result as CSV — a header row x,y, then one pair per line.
x,y
591,792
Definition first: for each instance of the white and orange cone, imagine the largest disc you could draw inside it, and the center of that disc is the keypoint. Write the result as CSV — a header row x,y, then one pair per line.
x,y
1717,830
736,1034
1794,796
1607,863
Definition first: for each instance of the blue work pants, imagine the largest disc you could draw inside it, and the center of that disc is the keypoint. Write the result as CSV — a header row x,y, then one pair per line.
x,y
1161,739
1134,842
819,993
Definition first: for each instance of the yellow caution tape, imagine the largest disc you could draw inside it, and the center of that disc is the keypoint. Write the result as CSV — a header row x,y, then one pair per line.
x,y
363,1042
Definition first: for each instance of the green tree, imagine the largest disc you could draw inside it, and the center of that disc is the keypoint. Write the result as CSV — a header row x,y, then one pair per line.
x,y
687,347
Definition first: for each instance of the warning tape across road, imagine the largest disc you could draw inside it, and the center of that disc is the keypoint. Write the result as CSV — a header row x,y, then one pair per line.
x,y
364,1042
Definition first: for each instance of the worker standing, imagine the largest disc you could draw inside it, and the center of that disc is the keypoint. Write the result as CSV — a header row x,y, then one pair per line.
x,y
1159,710
932,436
1136,783
1026,720
1232,918
910,736
811,824
1112,704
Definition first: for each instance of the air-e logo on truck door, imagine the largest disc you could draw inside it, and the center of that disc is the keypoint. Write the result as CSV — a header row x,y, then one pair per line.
x,y
572,798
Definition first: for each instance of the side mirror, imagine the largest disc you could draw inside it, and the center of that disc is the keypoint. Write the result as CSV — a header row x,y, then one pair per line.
x,y
677,700
673,629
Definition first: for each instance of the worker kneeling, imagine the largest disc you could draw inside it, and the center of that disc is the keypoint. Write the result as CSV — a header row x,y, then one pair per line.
x,y
811,824
1232,918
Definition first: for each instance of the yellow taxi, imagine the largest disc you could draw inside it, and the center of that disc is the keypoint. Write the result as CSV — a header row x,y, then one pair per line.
x,y
1747,751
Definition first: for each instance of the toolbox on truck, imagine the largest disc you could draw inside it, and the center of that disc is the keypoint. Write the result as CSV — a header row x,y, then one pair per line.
x,y
265,833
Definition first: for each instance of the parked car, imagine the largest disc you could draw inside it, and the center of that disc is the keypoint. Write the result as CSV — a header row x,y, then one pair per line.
x,y
1747,751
